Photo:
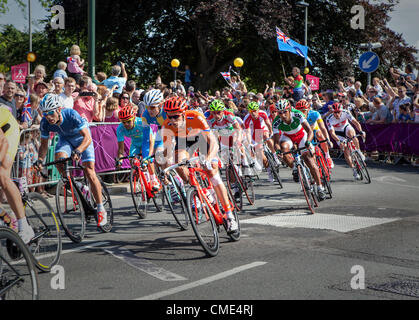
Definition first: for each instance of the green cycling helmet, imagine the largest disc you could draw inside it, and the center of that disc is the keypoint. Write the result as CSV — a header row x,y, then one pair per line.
x,y
217,105
252,106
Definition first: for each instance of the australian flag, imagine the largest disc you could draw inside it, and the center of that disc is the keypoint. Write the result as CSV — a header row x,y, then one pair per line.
x,y
287,44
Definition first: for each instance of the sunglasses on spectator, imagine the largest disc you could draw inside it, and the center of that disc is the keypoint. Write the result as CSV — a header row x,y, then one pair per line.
x,y
1,78
125,98
49,113
177,116
19,95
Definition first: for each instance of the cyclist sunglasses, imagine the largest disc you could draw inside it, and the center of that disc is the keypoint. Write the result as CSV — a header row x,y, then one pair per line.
x,y
49,113
174,117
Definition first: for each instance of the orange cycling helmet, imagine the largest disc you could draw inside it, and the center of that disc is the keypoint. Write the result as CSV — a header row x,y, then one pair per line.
x,y
302,105
126,113
175,104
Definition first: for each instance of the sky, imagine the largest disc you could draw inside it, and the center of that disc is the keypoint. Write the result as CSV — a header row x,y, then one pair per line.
x,y
404,19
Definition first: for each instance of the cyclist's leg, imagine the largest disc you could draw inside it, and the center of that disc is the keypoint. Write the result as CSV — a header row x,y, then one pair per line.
x,y
286,146
183,172
63,150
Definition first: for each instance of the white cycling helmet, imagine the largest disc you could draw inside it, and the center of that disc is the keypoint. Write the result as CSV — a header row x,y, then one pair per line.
x,y
50,102
153,97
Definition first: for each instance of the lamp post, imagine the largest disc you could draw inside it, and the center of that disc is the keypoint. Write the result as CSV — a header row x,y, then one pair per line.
x,y
91,8
30,32
238,63
304,5
175,64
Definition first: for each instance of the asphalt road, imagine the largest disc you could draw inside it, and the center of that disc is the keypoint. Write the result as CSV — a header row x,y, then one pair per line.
x,y
365,230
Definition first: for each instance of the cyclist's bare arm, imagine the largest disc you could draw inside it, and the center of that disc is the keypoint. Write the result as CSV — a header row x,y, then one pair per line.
x,y
87,140
43,149
121,149
213,144
307,128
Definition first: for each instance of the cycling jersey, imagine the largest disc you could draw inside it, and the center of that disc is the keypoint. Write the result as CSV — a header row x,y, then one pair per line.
x,y
257,126
314,118
69,134
339,124
140,135
294,131
158,120
195,124
9,124
228,120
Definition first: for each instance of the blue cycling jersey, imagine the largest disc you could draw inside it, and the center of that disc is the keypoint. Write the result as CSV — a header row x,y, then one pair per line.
x,y
70,127
140,136
158,121
313,116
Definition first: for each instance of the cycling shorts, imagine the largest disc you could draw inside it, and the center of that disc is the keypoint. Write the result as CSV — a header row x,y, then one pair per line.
x,y
66,146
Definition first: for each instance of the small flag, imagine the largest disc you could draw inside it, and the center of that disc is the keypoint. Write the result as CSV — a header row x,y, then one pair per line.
x,y
226,76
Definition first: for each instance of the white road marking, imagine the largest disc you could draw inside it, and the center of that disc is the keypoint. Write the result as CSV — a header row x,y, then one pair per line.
x,y
201,282
298,219
144,265
288,201
392,179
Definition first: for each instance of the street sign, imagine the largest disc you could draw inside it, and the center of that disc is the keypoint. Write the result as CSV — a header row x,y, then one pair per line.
x,y
314,82
369,62
19,73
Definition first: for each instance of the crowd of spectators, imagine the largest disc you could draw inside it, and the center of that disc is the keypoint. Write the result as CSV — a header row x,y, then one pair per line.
x,y
98,99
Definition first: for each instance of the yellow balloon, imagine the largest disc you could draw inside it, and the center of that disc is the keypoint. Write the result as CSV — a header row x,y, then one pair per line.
x,y
31,57
306,70
175,63
238,62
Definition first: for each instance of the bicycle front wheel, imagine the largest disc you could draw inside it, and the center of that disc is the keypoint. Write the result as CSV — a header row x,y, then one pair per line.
x,y
274,168
234,187
324,175
107,203
46,245
305,186
203,223
176,202
361,167
18,277
70,211
138,193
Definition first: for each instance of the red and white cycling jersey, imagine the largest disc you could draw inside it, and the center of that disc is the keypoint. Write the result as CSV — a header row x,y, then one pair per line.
x,y
227,121
339,124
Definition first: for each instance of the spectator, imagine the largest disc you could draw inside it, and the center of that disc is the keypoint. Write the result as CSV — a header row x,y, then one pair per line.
x,y
86,104
124,100
7,98
30,78
58,85
40,74
358,90
67,96
41,89
2,82
31,115
179,86
234,83
101,76
60,72
188,77
130,87
115,79
20,98
405,114
328,98
297,84
415,114
382,114
75,64
287,93
398,99
376,83
111,110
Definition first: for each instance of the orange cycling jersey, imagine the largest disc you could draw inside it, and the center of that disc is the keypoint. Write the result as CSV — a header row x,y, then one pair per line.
x,y
195,124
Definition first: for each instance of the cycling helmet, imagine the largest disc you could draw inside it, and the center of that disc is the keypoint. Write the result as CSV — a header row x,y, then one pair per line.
x,y
49,102
336,107
282,105
126,113
153,97
302,105
252,106
217,105
175,104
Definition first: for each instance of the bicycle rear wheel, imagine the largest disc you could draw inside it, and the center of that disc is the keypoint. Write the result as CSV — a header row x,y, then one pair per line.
x,y
250,191
138,193
107,203
234,182
203,223
305,186
18,277
70,211
176,203
46,245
